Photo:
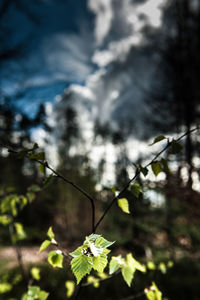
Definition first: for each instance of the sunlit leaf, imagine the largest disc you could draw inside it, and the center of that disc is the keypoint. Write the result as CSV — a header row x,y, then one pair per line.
x,y
70,286
55,258
81,265
158,139
127,274
115,264
100,262
136,189
153,293
156,168
124,205
35,272
103,243
44,245
5,287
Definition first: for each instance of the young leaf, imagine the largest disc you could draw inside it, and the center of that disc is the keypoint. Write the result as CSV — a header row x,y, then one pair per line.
x,y
70,286
124,205
44,245
38,156
30,196
153,293
50,233
136,189
156,168
127,274
81,265
165,165
176,147
55,258
92,237
5,220
100,262
158,139
35,273
103,243
134,264
42,168
115,263
77,252
144,171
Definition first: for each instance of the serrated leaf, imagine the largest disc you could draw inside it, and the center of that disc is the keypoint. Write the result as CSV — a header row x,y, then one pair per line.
x,y
136,189
158,139
115,263
100,262
95,250
156,168
77,252
124,205
81,265
50,233
38,156
55,258
127,274
92,237
44,245
70,286
35,272
103,243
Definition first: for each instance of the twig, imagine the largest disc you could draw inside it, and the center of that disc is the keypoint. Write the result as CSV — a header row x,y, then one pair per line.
x,y
132,297
137,172
78,188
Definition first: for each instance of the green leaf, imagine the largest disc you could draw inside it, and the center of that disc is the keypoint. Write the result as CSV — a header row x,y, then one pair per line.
x,y
134,264
70,286
115,263
77,252
156,168
41,168
127,274
44,245
19,233
136,189
176,147
144,171
162,267
30,196
95,281
92,237
50,233
81,265
5,287
158,139
38,156
151,265
5,220
34,188
35,273
55,258
43,295
165,165
103,243
124,205
100,262
153,293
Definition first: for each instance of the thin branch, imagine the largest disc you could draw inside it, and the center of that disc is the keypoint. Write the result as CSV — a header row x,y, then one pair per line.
x,y
78,188
133,297
137,172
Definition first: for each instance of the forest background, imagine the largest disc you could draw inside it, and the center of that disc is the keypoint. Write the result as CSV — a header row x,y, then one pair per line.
x,y
93,83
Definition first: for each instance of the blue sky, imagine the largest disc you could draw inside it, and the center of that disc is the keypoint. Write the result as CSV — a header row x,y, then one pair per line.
x,y
87,46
